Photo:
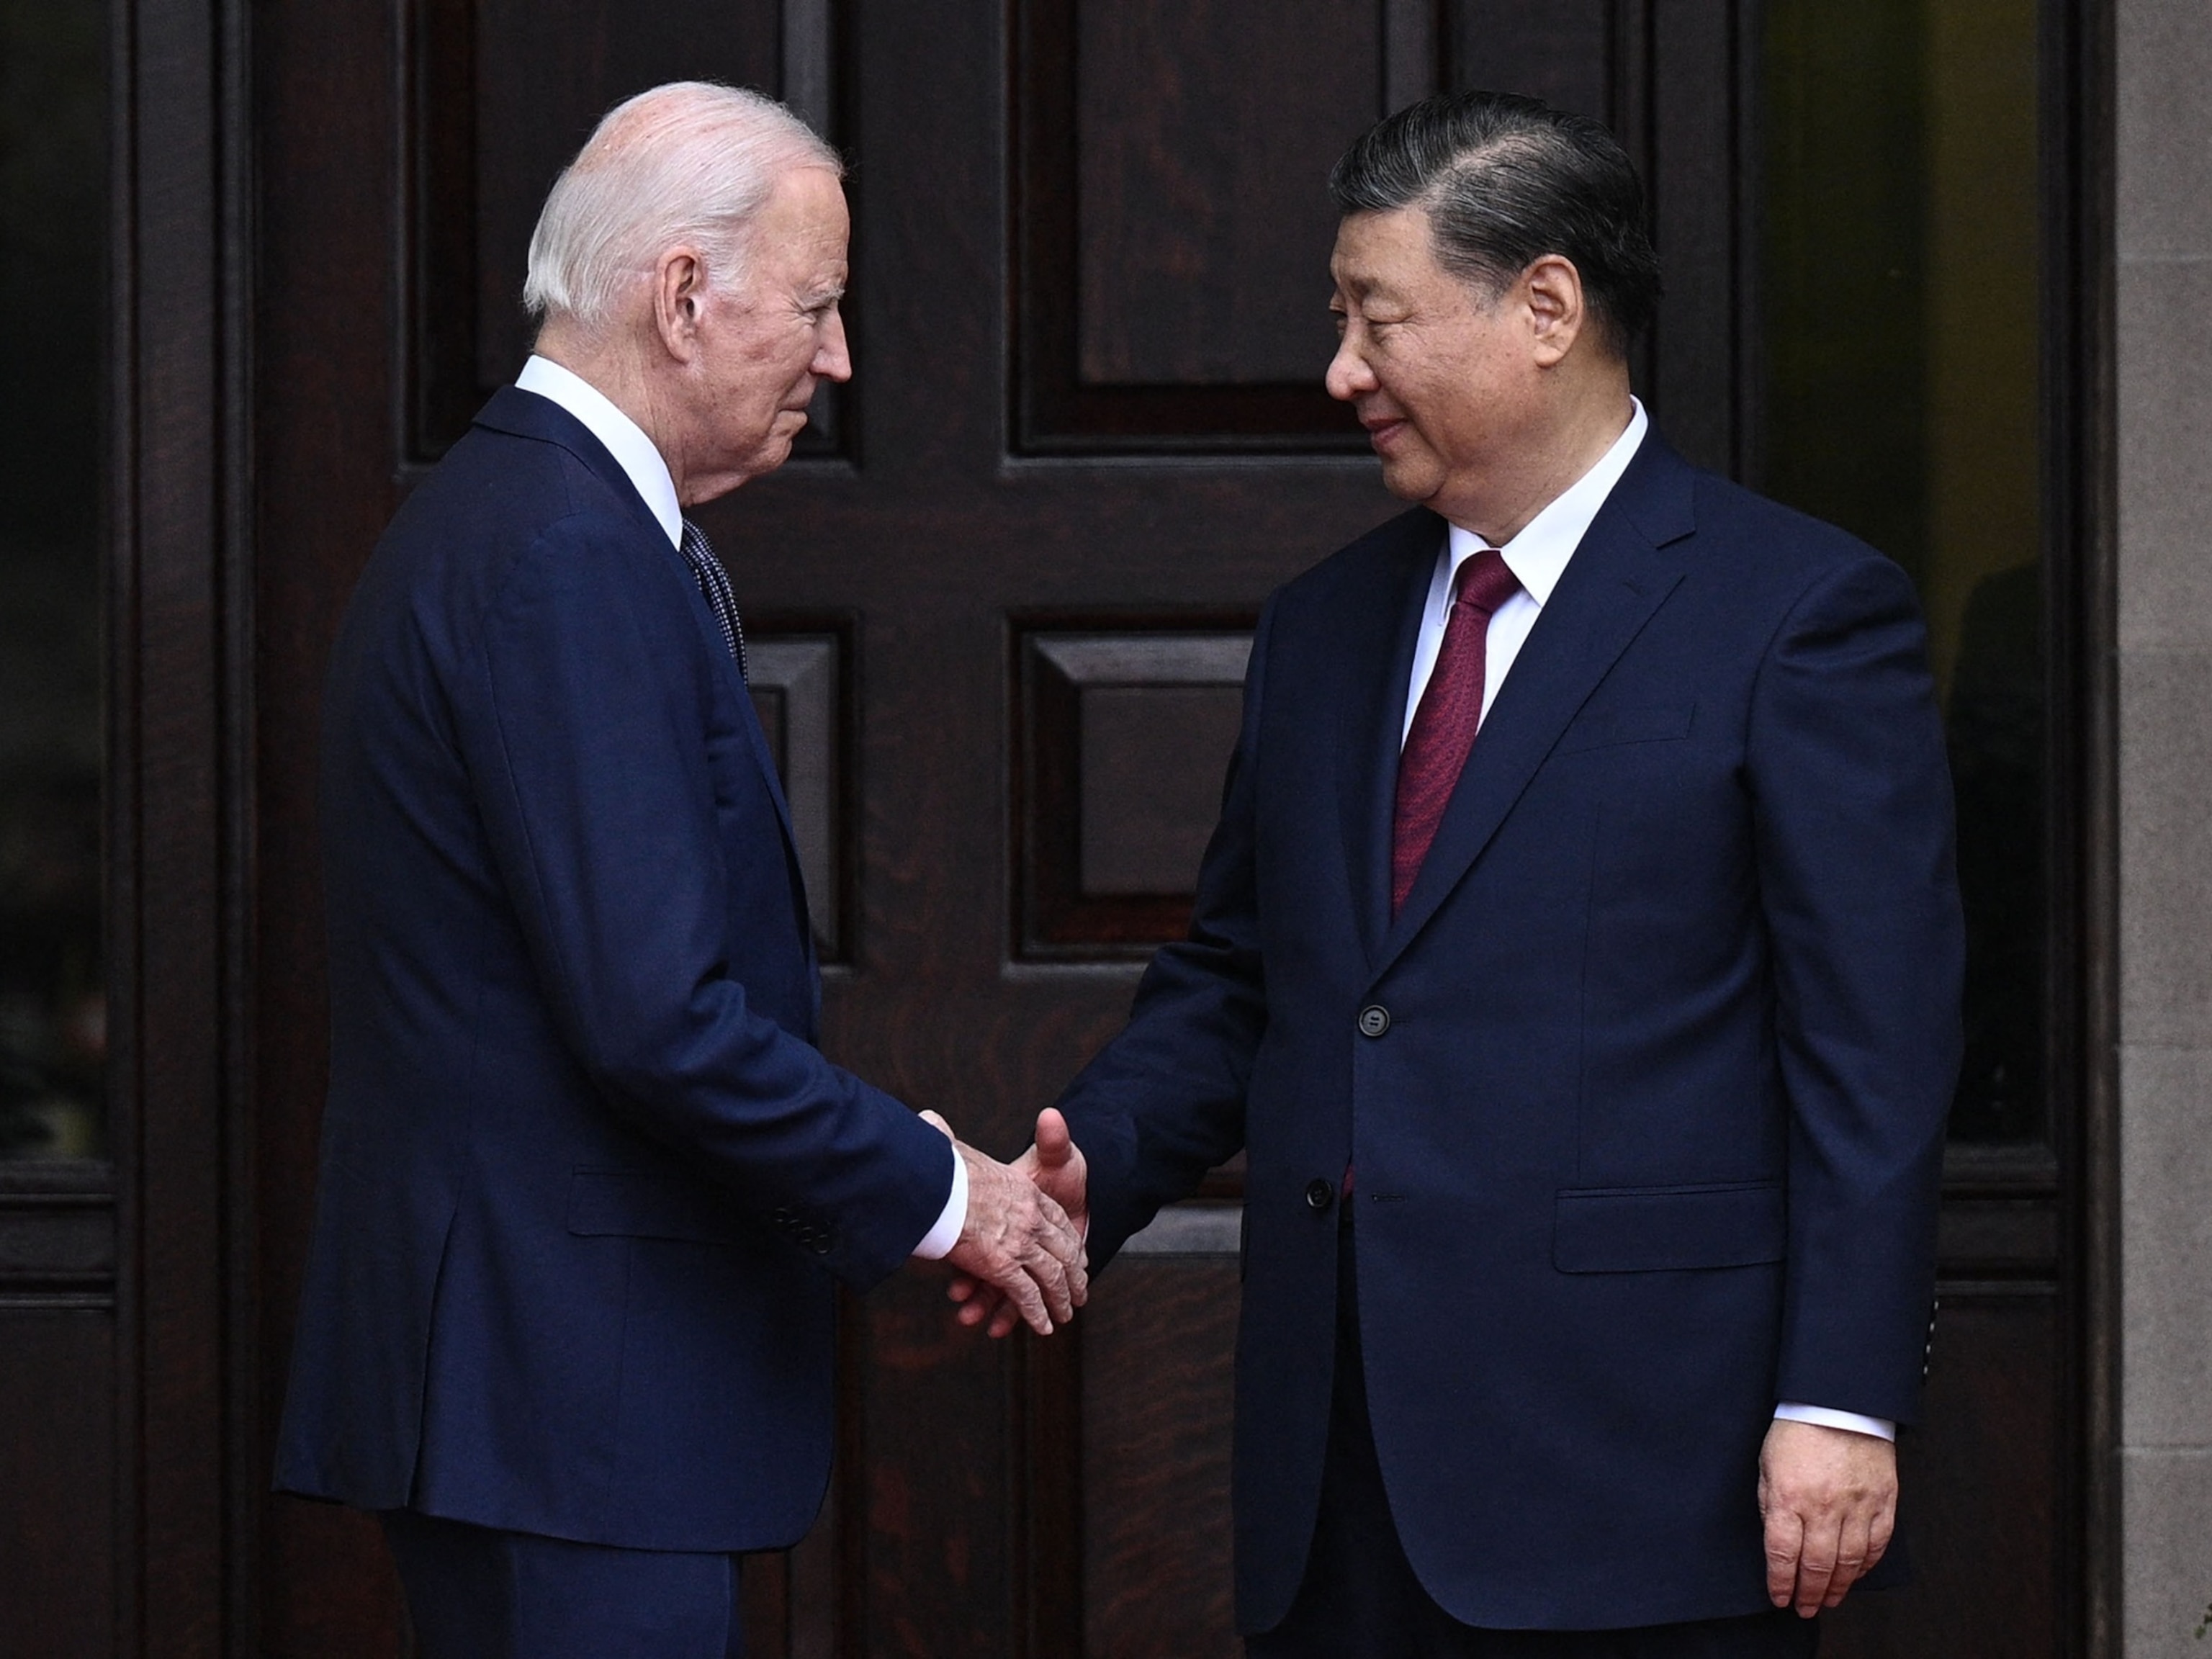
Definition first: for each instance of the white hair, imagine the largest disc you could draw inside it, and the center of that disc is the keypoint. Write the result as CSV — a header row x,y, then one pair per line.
x,y
690,161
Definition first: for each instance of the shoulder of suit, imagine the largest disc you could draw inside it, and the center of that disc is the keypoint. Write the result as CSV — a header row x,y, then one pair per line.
x,y
1737,526
516,486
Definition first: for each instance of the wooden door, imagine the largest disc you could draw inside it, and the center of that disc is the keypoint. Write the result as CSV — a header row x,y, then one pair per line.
x,y
1001,600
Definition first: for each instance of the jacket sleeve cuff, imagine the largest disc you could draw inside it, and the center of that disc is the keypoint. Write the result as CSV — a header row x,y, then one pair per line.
x,y
1790,1411
937,1243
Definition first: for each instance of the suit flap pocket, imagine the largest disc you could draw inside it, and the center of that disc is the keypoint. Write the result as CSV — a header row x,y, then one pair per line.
x,y
1628,726
630,1204
1628,1229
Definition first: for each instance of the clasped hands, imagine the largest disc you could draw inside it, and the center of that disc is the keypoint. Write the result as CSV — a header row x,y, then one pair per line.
x,y
1020,1258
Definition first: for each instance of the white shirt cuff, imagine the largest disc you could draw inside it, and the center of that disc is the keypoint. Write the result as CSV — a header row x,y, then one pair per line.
x,y
937,1243
1881,1427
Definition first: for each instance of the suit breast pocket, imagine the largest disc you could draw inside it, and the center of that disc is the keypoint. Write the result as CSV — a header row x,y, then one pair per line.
x,y
1614,727
1630,1230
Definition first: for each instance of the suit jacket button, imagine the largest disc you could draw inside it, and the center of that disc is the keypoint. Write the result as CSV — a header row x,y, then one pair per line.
x,y
1374,1020
1319,1196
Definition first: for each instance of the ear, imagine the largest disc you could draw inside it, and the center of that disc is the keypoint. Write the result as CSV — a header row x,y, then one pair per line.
x,y
679,297
1552,288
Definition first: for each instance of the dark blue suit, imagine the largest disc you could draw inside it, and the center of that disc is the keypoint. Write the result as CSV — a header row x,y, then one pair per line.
x,y
586,1183
1645,1087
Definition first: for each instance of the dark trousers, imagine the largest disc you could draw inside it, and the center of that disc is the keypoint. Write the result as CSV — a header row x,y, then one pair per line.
x,y
1360,1598
480,1593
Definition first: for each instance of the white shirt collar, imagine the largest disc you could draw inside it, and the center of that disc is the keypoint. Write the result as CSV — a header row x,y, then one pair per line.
x,y
625,440
1539,554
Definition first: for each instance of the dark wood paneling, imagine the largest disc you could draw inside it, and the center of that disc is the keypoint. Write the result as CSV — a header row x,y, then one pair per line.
x,y
1157,1346
57,1483
180,714
1202,222
802,692
1150,759
1562,53
57,1231
332,143
1692,146
1980,1493
1123,737
1172,225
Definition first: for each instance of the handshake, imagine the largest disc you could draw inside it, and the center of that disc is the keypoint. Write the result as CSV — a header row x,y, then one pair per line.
x,y
1020,1256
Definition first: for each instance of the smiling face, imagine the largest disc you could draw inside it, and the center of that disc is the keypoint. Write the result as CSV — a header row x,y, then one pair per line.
x,y
763,342
1447,384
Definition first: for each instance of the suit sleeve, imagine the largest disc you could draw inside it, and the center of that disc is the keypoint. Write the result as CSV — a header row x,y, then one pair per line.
x,y
1854,866
591,770
1164,1101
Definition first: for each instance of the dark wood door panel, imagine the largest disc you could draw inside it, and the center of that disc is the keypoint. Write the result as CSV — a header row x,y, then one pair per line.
x,y
1171,221
58,1588
1157,1348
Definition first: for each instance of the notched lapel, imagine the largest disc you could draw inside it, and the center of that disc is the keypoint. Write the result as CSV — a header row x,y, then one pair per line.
x,y
1616,581
527,414
1372,715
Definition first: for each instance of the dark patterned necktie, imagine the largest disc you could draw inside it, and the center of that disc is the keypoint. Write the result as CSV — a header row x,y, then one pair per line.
x,y
715,582
1444,725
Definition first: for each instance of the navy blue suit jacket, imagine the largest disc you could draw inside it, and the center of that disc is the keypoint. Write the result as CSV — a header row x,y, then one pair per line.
x,y
585,1180
1651,1139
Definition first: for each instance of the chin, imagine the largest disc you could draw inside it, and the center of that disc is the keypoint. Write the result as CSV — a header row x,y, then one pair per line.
x,y
1410,484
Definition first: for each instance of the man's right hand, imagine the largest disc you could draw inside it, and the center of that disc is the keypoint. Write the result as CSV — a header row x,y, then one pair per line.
x,y
1057,1164
1018,1246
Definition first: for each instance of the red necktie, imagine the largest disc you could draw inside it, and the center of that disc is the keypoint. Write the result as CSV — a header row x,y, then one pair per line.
x,y
1444,725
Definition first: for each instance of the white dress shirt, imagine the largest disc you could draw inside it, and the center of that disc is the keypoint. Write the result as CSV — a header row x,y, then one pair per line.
x,y
635,453
1538,557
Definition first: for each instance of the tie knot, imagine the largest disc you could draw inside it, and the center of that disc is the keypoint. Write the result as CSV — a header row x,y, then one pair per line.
x,y
695,540
1484,583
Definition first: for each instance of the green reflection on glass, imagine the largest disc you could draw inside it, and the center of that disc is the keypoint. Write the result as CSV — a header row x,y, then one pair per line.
x,y
52,313
1901,297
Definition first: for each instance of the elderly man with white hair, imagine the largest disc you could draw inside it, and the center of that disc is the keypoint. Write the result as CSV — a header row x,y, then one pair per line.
x,y
586,1183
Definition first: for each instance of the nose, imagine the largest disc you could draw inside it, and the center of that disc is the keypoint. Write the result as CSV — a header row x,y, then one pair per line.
x,y
1348,376
833,360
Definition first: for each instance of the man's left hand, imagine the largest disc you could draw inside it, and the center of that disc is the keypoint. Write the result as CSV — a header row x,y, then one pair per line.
x,y
1829,1500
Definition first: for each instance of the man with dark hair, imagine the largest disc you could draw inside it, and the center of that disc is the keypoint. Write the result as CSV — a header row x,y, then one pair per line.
x,y
1577,961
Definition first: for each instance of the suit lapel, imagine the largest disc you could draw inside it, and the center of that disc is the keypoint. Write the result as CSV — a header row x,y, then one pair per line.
x,y
527,414
1617,578
1371,710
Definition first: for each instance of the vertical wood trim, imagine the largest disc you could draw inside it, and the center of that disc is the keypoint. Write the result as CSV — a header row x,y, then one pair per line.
x,y
1751,364
1411,61
806,51
245,1484
180,750
120,603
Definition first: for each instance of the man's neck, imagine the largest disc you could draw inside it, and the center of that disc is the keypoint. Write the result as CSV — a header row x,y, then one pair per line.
x,y
1552,461
613,372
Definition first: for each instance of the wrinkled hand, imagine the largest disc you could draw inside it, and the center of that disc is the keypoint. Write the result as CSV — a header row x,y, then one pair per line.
x,y
1830,1499
1056,1163
1017,1245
